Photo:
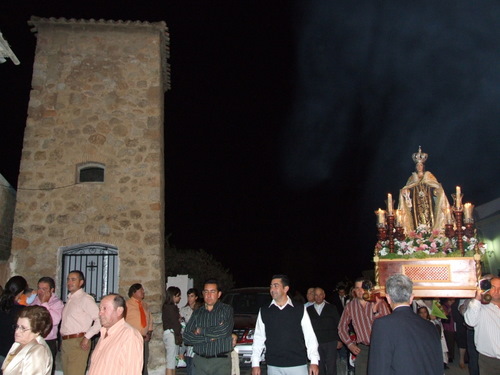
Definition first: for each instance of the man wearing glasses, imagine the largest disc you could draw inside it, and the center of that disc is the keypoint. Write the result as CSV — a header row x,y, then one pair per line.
x,y
209,332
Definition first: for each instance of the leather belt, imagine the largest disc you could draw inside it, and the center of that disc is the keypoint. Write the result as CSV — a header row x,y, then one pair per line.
x,y
73,336
220,355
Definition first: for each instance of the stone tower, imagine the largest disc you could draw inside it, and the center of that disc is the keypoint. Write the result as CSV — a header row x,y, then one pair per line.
x,y
91,182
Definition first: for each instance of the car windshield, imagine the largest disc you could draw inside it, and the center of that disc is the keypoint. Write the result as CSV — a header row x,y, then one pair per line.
x,y
249,303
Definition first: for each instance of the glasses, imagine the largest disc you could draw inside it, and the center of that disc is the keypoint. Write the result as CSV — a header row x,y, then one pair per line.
x,y
20,328
209,291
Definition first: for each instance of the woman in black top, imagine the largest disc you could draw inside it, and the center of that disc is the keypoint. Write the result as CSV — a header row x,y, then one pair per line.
x,y
172,337
9,309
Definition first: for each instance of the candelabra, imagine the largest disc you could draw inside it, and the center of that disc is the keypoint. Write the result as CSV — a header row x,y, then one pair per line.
x,y
400,232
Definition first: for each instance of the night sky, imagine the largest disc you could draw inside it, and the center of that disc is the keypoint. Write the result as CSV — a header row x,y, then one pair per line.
x,y
288,123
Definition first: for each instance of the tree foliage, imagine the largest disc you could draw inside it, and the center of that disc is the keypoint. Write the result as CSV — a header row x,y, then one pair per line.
x,y
198,265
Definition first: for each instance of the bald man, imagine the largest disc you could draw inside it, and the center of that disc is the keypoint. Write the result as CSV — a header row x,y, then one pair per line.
x,y
120,348
325,320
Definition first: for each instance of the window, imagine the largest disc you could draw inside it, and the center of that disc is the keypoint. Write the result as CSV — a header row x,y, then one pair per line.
x,y
98,262
90,172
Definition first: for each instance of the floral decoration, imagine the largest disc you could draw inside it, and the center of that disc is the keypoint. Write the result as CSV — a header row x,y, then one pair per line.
x,y
425,242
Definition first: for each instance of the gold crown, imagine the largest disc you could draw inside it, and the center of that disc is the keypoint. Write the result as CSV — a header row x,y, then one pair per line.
x,y
419,157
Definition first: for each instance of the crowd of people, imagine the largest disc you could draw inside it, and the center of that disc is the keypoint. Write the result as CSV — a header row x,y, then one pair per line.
x,y
367,334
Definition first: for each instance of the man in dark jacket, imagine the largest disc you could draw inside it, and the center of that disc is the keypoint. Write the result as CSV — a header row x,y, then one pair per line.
x,y
403,343
325,320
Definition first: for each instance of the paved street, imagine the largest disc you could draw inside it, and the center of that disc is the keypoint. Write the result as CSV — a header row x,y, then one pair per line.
x,y
453,370
243,371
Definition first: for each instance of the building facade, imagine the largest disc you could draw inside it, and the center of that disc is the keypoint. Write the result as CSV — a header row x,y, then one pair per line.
x,y
91,183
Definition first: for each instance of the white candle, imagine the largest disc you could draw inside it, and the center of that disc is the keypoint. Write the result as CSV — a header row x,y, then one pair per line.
x,y
398,218
458,198
468,207
448,215
381,216
389,204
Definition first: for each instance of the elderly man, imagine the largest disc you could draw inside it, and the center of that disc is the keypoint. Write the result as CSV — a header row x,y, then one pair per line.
x,y
80,322
485,318
120,348
309,297
325,321
209,331
361,314
139,317
285,331
403,343
46,298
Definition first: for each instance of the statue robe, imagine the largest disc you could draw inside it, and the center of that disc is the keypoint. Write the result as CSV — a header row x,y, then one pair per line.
x,y
425,203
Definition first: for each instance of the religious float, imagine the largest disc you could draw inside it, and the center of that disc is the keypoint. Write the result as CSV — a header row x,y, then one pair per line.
x,y
428,240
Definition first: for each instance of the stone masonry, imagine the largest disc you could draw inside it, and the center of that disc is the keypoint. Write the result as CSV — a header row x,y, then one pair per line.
x,y
7,205
97,97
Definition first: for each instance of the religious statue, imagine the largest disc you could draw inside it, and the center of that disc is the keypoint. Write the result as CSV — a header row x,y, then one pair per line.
x,y
422,200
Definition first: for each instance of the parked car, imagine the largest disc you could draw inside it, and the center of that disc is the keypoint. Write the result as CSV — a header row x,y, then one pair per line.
x,y
246,303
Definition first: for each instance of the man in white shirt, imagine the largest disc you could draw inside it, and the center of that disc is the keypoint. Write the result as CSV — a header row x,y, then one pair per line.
x,y
310,297
485,318
286,332
325,321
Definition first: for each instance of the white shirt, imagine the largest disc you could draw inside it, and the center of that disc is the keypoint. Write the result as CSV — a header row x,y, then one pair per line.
x,y
486,322
259,337
319,307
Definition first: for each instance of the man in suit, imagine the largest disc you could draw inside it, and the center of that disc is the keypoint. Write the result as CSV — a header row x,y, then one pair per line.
x,y
403,343
325,321
340,297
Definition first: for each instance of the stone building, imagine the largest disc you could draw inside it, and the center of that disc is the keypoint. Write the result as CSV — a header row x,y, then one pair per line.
x,y
7,205
91,182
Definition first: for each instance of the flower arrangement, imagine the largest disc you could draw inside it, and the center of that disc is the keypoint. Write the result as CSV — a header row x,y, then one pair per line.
x,y
424,243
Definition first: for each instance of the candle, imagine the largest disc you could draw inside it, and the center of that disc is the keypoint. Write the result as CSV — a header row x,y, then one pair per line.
x,y
448,215
458,198
398,218
468,207
381,216
389,204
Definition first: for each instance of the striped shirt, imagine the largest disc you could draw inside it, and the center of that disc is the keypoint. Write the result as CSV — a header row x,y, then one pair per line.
x,y
486,322
362,318
216,327
118,351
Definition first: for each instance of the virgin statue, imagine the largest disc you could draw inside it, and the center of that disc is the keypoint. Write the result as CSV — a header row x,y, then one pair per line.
x,y
422,200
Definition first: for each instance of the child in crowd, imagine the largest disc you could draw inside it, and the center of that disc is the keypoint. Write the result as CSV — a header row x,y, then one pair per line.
x,y
27,297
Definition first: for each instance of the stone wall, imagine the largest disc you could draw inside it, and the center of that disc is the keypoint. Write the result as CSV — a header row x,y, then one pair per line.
x,y
97,96
7,205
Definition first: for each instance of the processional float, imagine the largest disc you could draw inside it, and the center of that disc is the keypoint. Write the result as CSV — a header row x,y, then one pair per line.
x,y
428,240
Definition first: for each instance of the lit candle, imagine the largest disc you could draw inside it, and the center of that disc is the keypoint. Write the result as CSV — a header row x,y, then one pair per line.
x,y
381,216
458,198
398,218
448,215
468,207
389,204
